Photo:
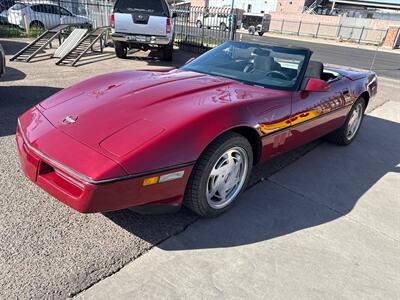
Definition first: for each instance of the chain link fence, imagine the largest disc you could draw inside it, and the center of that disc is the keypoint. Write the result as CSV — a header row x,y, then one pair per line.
x,y
204,27
30,19
200,27
330,31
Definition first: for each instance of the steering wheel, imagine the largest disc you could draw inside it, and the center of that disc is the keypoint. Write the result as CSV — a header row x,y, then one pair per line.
x,y
279,73
249,68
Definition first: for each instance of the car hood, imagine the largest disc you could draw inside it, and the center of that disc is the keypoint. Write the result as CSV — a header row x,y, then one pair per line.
x,y
120,112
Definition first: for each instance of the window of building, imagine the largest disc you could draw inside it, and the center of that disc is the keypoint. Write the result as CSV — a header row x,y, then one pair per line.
x,y
248,7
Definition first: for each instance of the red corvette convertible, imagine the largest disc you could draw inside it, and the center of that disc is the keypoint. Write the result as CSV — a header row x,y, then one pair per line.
x,y
190,135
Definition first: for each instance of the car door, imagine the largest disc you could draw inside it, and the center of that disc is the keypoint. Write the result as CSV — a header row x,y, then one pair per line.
x,y
315,114
46,14
67,17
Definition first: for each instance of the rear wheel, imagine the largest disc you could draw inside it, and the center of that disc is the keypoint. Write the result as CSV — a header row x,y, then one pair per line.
x,y
121,49
347,133
36,25
222,27
260,33
168,52
252,30
219,176
198,24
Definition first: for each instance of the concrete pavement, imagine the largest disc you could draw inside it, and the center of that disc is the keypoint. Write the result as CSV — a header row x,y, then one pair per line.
x,y
50,251
325,227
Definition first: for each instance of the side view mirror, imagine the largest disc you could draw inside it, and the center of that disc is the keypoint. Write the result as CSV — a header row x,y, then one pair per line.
x,y
174,15
316,85
189,61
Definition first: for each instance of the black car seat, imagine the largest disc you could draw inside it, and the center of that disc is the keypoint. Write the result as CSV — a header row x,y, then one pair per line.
x,y
263,63
314,70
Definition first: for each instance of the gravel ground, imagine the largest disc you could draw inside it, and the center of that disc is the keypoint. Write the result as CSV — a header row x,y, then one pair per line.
x,y
47,250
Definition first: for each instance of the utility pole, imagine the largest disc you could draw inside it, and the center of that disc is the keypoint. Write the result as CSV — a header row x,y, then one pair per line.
x,y
232,21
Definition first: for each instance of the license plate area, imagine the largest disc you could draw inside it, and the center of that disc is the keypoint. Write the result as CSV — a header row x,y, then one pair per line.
x,y
138,38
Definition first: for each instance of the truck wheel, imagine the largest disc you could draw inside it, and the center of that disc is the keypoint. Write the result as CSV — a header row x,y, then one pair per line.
x,y
121,50
167,52
252,30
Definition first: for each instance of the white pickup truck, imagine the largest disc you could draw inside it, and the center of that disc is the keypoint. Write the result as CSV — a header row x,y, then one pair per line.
x,y
142,24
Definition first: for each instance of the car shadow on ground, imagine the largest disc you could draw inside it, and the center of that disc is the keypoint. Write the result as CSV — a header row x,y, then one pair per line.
x,y
11,47
12,74
267,210
14,100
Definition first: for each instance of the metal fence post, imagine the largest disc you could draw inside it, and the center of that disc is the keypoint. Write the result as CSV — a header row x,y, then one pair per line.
x,y
298,30
202,28
26,25
316,34
339,29
361,34
283,22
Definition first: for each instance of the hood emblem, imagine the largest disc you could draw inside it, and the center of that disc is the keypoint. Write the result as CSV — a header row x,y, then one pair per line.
x,y
70,119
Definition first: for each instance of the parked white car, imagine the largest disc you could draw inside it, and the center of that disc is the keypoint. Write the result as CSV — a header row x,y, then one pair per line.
x,y
43,15
210,20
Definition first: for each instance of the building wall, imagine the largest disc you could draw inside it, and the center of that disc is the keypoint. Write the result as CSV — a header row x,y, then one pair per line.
x,y
256,6
334,20
199,2
290,6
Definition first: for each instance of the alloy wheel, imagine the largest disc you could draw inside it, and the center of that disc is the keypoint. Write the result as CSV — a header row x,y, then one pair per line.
x,y
227,177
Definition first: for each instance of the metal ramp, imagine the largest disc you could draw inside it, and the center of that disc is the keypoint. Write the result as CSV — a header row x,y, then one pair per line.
x,y
70,42
30,51
84,45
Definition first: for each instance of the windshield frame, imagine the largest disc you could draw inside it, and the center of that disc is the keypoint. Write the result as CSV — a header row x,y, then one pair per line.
x,y
290,50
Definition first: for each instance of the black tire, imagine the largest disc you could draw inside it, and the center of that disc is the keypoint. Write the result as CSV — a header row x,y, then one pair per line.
x,y
340,136
195,194
252,30
199,24
168,52
260,33
121,49
222,27
36,25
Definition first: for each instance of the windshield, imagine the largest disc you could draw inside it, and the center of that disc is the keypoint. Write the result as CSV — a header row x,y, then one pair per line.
x,y
264,65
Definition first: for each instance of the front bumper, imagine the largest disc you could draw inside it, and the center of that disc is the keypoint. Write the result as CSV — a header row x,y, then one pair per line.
x,y
87,197
142,39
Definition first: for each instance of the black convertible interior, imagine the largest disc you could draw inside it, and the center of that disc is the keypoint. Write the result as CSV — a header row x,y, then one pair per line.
x,y
263,65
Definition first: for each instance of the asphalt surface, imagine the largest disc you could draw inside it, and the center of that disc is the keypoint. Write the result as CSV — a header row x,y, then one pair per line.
x,y
48,250
385,64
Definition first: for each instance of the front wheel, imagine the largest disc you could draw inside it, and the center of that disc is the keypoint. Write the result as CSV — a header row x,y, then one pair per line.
x,y
260,33
219,176
347,133
199,24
